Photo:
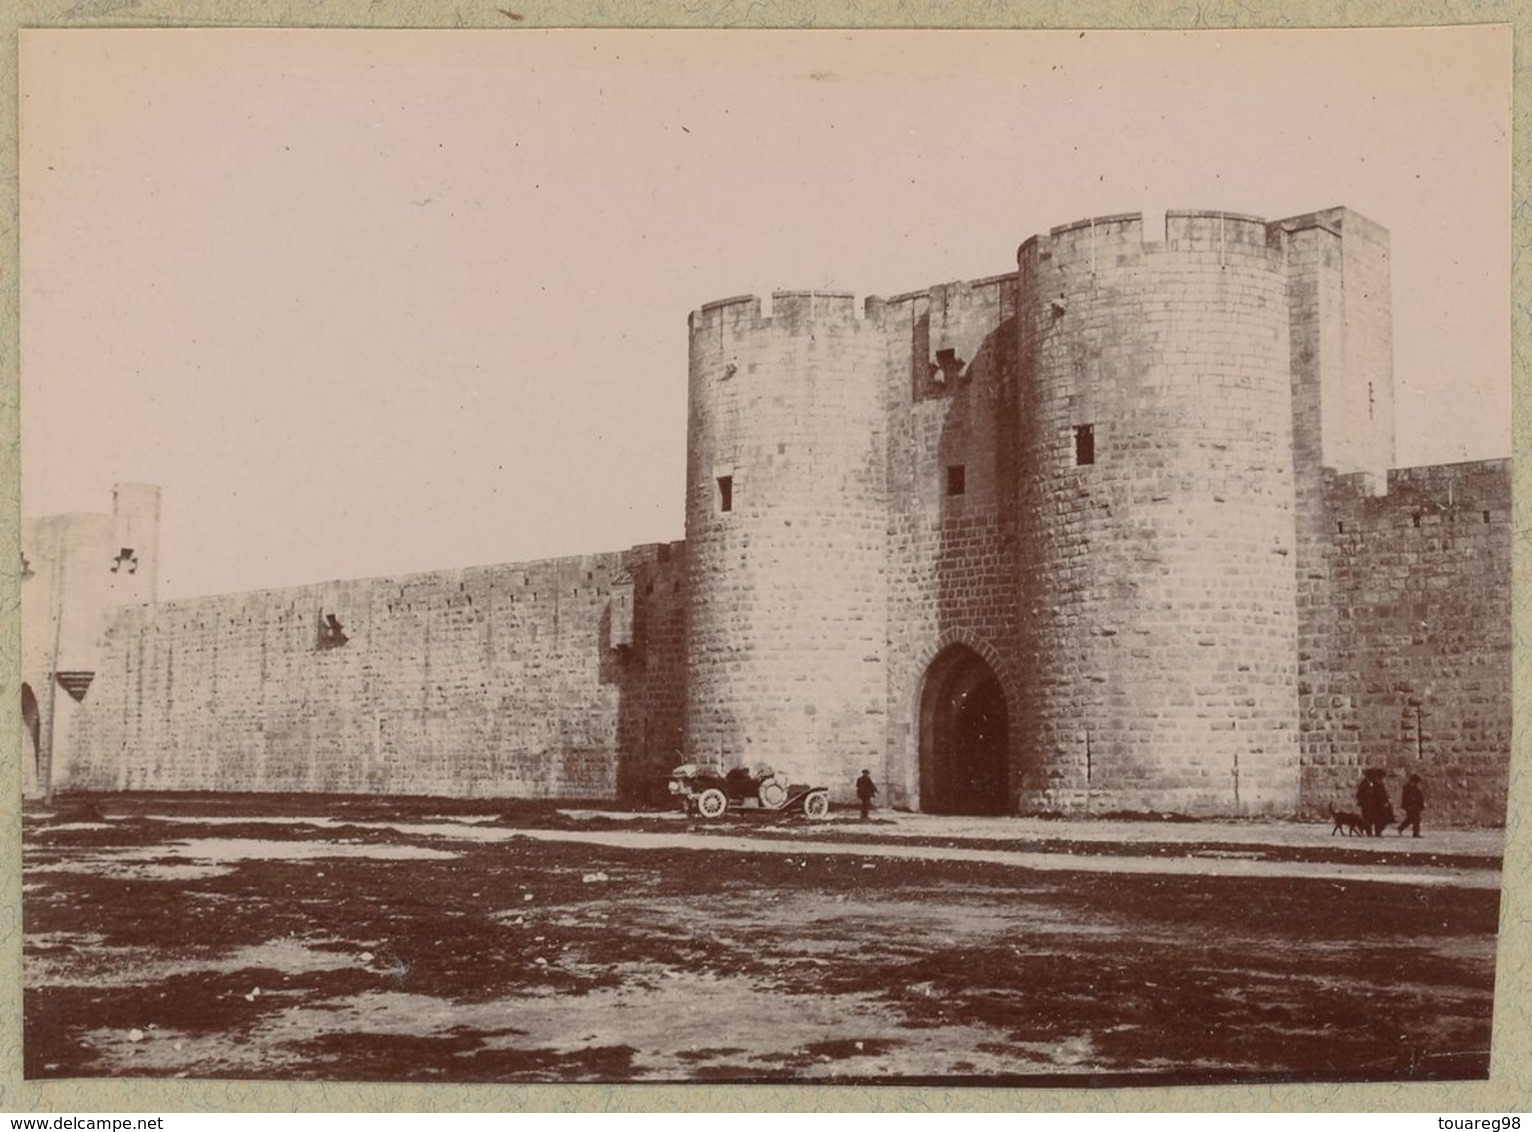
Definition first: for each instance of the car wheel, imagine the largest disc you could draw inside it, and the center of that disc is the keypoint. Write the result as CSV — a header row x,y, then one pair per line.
x,y
712,803
816,805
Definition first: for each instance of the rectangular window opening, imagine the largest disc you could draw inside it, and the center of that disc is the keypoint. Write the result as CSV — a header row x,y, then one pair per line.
x,y
725,493
955,479
948,365
1486,516
1085,445
332,635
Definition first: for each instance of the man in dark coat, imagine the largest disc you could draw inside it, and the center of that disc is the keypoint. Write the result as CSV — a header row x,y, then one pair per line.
x,y
1412,803
1372,801
865,790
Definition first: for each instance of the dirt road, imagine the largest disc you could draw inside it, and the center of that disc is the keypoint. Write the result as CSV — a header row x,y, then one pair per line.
x,y
297,939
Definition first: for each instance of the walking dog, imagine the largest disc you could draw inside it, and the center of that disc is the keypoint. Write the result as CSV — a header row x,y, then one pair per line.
x,y
1347,823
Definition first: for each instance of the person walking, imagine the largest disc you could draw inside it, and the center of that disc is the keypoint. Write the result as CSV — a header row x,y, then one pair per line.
x,y
1412,803
866,789
1372,801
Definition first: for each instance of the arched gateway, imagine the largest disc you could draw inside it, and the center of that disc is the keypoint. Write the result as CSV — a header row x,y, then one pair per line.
x,y
964,736
31,720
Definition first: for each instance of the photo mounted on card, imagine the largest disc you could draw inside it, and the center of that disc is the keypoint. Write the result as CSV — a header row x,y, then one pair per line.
x,y
822,558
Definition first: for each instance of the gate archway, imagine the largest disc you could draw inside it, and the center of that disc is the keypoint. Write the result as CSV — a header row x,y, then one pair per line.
x,y
31,719
964,736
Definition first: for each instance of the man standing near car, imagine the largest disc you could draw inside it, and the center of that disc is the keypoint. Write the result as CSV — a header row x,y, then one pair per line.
x,y
866,789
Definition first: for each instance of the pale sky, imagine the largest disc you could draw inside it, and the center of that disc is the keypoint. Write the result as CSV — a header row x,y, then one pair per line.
x,y
366,303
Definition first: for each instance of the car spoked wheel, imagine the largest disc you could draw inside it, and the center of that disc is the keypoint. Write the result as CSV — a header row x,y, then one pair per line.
x,y
816,805
712,803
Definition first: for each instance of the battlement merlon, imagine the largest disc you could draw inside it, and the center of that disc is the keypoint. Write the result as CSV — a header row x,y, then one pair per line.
x,y
1474,492
1337,221
1099,241
940,294
741,314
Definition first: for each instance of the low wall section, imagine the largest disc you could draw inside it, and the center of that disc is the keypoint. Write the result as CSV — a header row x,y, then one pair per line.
x,y
498,681
1408,668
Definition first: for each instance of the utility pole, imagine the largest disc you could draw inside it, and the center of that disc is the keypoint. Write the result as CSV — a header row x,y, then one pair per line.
x,y
1087,772
56,601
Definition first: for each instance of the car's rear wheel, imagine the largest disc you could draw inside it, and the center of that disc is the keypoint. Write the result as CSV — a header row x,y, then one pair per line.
x,y
712,803
816,805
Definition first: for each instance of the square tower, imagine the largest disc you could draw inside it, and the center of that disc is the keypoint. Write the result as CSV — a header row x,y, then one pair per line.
x,y
1342,344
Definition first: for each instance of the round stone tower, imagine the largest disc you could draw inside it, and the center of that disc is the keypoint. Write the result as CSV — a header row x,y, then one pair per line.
x,y
1158,596
786,523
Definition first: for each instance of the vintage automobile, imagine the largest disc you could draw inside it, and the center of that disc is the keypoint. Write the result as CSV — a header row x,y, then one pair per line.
x,y
709,792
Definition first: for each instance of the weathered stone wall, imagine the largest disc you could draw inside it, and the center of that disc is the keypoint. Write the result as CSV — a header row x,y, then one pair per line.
x,y
74,569
1403,584
787,622
1341,312
651,674
1157,581
951,393
496,681
1143,484
1410,668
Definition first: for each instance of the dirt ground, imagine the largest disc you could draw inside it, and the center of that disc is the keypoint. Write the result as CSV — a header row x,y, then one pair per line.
x,y
343,939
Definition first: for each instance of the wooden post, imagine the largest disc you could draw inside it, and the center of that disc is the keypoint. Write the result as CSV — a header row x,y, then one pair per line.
x,y
45,759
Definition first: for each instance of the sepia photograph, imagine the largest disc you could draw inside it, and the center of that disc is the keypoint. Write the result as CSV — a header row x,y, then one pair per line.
x,y
836,558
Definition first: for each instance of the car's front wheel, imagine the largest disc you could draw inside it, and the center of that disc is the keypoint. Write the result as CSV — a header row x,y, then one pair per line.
x,y
712,803
816,805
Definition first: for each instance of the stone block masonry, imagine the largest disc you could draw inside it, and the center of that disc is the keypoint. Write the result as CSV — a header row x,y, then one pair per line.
x,y
73,569
1157,519
786,525
499,681
950,394
1116,531
1409,668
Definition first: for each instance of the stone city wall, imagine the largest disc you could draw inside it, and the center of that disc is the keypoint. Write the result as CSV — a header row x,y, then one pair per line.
x,y
1157,530
951,392
499,681
786,526
1130,503
1410,668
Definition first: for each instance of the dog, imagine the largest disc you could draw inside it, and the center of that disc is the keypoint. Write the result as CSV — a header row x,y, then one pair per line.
x,y
1348,824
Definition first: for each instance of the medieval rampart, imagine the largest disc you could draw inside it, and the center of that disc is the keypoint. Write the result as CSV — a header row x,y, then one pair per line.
x,y
949,379
1117,531
1410,668
1157,517
786,527
494,681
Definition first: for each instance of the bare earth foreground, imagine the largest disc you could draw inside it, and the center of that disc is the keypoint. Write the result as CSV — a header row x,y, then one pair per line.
x,y
399,939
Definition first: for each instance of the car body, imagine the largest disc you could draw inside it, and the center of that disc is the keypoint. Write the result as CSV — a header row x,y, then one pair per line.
x,y
710,793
